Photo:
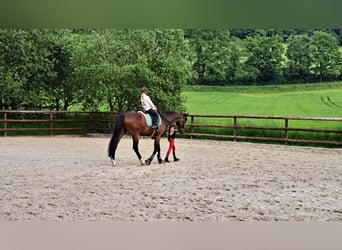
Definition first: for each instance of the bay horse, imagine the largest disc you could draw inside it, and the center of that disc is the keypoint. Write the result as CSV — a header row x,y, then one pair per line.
x,y
134,123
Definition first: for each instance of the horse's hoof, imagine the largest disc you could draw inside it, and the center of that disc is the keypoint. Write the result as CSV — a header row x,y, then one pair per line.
x,y
142,163
160,161
148,162
113,162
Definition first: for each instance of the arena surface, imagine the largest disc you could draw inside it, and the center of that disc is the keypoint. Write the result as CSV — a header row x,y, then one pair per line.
x,y
71,179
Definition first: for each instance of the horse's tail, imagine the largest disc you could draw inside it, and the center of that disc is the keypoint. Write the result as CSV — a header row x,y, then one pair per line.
x,y
116,136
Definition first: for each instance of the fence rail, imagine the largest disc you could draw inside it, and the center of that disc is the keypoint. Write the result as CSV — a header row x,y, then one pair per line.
x,y
232,127
54,121
235,130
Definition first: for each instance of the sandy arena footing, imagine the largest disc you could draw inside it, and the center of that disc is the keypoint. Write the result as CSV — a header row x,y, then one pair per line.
x,y
71,179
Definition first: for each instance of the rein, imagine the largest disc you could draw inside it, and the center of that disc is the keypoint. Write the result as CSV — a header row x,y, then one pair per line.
x,y
168,121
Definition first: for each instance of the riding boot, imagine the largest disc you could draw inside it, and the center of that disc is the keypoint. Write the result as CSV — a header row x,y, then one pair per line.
x,y
175,158
166,159
154,124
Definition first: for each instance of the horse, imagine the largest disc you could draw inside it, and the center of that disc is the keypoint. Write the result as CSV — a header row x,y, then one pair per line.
x,y
135,124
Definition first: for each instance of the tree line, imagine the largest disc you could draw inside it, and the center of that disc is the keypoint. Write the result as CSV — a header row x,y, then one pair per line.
x,y
105,69
265,56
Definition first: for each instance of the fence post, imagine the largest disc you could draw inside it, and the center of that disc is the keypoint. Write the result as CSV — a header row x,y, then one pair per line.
x,y
91,122
286,130
5,124
235,128
192,127
51,123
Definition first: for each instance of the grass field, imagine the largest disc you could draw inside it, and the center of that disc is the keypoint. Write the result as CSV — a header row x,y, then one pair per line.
x,y
308,100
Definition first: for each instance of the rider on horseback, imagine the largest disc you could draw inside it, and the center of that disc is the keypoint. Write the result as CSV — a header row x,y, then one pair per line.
x,y
149,108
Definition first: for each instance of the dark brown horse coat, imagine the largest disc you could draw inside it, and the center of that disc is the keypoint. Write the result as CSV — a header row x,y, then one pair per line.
x,y
134,123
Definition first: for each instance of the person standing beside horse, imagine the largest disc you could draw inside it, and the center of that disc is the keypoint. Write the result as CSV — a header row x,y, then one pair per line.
x,y
149,107
171,138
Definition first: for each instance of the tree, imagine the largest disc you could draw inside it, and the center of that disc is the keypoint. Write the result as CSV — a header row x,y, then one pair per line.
x,y
113,65
337,33
91,59
325,56
26,67
244,33
212,52
235,70
168,60
264,58
62,90
298,59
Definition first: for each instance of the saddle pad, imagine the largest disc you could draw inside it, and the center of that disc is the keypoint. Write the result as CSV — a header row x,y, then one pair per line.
x,y
149,119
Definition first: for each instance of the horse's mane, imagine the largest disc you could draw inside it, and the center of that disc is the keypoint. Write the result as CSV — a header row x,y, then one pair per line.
x,y
168,111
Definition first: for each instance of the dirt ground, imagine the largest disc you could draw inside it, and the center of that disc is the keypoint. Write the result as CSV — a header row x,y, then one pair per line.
x,y
71,179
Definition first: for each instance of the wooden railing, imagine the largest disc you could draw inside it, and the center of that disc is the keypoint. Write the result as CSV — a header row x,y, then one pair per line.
x,y
234,128
231,127
55,121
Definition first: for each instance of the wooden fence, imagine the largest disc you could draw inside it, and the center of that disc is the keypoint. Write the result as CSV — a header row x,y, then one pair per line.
x,y
234,128
52,122
231,127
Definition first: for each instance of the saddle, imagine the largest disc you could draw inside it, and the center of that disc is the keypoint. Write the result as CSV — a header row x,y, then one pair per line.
x,y
149,119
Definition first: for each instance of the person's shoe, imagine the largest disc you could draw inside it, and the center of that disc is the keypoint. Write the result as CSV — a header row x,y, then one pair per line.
x,y
166,159
175,158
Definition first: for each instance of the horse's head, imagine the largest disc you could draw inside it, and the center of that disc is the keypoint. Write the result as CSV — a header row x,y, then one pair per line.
x,y
172,117
181,122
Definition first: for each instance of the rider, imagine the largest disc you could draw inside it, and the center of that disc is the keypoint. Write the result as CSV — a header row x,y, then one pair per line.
x,y
149,107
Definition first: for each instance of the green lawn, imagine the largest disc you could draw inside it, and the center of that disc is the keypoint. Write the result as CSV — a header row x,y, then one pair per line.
x,y
321,100
309,100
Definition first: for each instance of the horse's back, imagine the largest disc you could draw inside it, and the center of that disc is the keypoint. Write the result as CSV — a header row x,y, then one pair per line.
x,y
133,115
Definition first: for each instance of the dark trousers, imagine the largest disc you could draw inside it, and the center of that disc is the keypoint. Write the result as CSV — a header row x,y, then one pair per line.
x,y
154,116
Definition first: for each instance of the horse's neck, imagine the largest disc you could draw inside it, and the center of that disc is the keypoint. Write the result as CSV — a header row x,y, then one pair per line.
x,y
170,116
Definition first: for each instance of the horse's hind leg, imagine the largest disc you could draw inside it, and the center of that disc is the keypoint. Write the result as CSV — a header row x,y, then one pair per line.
x,y
136,149
114,144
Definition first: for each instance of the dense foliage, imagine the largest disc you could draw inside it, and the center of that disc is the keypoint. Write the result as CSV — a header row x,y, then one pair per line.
x,y
265,56
105,69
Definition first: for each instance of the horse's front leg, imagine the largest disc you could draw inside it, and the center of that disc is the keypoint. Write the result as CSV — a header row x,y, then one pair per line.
x,y
155,151
160,160
136,150
150,159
